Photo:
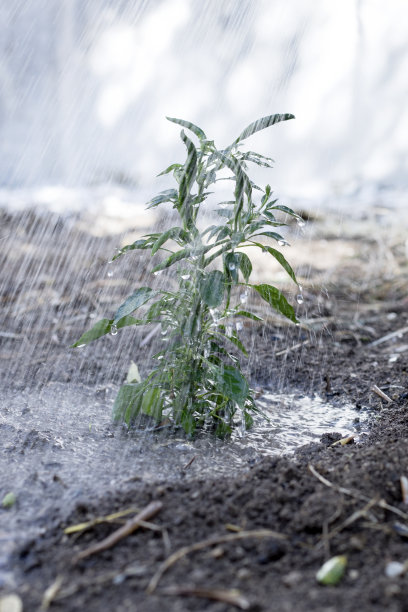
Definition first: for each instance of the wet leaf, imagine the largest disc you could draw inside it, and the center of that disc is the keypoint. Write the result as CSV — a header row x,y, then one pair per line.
x,y
127,403
248,315
165,196
280,258
332,571
152,403
232,384
174,258
134,301
212,287
9,500
277,300
261,124
170,168
175,233
101,328
190,126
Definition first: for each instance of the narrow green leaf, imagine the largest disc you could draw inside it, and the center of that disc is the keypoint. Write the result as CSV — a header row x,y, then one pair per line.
x,y
284,209
248,315
245,265
164,196
101,328
170,168
232,384
280,258
212,287
152,403
127,321
261,124
174,233
273,235
134,301
138,244
174,258
190,126
127,402
277,300
237,342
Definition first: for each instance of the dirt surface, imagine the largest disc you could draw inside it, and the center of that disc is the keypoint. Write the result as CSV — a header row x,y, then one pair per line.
x,y
265,532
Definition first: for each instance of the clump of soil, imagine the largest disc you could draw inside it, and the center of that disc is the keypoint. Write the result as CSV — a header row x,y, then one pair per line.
x,y
286,515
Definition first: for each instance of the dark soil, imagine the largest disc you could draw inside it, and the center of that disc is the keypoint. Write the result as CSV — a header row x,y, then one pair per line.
x,y
327,500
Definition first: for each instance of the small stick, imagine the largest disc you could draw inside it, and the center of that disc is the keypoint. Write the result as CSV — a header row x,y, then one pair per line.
x,y
185,550
129,527
383,395
398,332
228,596
381,503
292,348
189,463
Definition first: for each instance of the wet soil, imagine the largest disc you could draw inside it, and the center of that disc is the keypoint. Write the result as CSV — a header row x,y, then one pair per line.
x,y
266,529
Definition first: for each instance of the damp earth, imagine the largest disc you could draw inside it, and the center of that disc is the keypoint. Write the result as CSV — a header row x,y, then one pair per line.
x,y
339,377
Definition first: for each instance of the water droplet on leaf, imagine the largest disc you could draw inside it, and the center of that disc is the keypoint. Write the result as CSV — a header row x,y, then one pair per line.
x,y
113,330
243,298
301,223
300,299
238,326
185,276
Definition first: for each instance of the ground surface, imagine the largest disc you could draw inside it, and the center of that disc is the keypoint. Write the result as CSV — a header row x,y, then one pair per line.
x,y
324,501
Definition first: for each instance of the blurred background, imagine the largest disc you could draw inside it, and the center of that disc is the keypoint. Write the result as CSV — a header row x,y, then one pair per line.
x,y
85,86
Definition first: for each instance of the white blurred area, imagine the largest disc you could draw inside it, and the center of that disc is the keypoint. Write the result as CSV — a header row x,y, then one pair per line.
x,y
85,86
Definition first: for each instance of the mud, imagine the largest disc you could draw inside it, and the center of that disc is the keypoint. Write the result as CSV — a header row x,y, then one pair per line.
x,y
324,500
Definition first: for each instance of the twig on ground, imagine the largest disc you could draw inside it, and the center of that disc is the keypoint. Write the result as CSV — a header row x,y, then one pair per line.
x,y
129,527
98,520
381,394
292,348
51,593
189,463
390,336
381,503
231,597
185,550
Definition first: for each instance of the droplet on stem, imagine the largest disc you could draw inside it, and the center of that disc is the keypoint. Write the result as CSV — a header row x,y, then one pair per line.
x,y
300,299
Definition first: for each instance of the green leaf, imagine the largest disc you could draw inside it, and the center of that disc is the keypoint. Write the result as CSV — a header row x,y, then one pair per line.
x,y
280,258
273,235
127,402
212,287
170,168
225,212
174,258
277,300
101,328
232,384
175,233
134,301
152,403
248,315
261,124
237,342
190,126
128,321
164,196
245,265
138,244
238,261
285,209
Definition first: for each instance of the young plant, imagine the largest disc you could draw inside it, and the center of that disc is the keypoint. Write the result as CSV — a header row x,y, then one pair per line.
x,y
197,381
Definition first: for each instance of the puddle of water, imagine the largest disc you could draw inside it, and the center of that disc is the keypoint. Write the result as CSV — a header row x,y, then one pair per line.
x,y
60,448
